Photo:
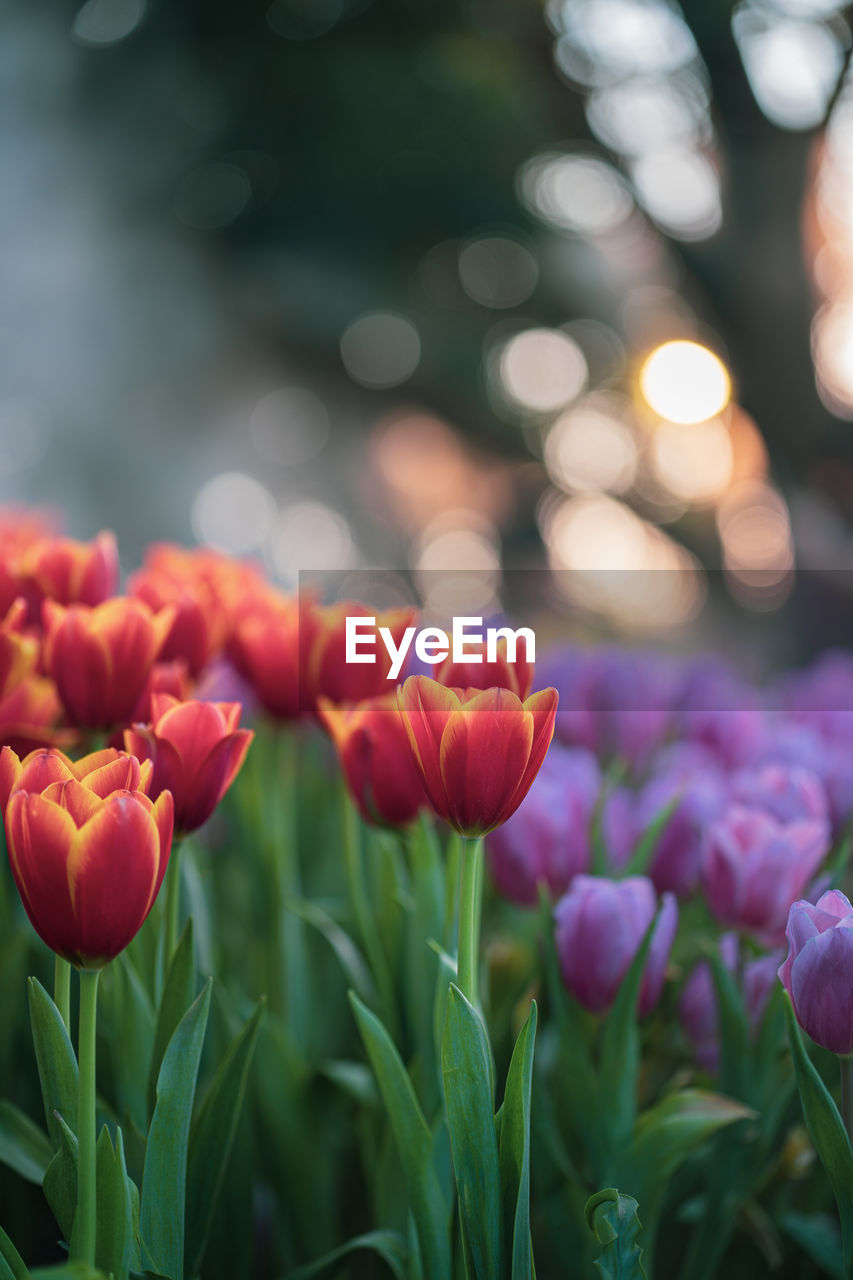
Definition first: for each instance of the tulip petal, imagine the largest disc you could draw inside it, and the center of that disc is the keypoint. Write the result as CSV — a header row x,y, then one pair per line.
x,y
822,989
485,747
39,835
426,708
113,873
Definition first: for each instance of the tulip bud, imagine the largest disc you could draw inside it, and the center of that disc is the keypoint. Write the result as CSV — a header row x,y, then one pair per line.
x,y
87,848
547,840
500,674
198,631
599,927
477,750
818,970
697,1005
100,658
753,868
196,751
264,648
69,572
376,759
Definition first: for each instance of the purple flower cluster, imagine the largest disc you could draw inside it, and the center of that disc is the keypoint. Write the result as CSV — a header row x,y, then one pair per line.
x,y
746,788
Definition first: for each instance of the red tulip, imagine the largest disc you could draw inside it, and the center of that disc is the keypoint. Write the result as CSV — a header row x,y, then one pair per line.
x,y
20,527
29,716
199,629
477,750
100,658
18,652
228,580
264,648
69,572
324,669
87,848
196,751
374,753
500,674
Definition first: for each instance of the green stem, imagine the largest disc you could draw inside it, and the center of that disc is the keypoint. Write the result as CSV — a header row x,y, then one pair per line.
x,y
62,989
469,916
846,1065
288,881
361,910
85,1222
173,903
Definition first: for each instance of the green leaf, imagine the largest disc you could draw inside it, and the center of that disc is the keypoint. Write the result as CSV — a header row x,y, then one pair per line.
x,y
617,1074
818,1236
514,1152
11,1260
827,1132
131,1042
212,1137
388,1245
467,1073
57,1065
349,957
178,994
114,1249
165,1173
612,1219
24,1146
60,1181
734,1030
68,1271
414,1144
665,1134
646,846
355,1079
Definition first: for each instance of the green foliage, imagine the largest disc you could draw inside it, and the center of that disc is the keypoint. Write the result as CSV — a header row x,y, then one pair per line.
x,y
163,1200
612,1219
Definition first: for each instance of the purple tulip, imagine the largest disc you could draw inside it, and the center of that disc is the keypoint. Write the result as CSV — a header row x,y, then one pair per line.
x,y
697,1005
599,926
547,839
753,867
701,790
818,970
719,711
789,793
615,702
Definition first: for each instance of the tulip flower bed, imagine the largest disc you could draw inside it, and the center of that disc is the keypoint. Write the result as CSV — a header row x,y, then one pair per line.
x,y
390,982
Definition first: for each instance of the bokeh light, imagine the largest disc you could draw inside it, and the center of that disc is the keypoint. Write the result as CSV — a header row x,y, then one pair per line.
x,y
310,535
233,512
575,193
542,370
694,462
679,188
497,271
289,425
592,447
792,66
105,22
380,349
685,382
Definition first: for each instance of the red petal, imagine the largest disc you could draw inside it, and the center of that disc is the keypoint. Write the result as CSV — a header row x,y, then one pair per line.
x,y
39,836
484,751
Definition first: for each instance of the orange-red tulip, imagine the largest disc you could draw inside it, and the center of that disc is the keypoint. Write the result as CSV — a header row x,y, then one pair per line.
x,y
18,652
324,669
199,629
264,649
68,571
500,674
20,527
478,750
228,580
29,716
87,848
196,751
376,760
100,658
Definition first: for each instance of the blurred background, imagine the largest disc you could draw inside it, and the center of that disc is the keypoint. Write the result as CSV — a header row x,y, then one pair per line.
x,y
496,285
